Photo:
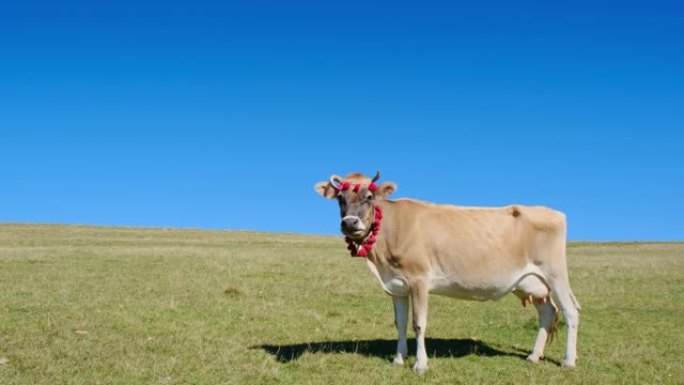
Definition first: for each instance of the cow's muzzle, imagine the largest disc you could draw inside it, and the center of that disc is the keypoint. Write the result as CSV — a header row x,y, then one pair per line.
x,y
353,226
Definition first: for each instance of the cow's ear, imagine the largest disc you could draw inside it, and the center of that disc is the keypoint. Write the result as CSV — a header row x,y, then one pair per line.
x,y
326,190
385,189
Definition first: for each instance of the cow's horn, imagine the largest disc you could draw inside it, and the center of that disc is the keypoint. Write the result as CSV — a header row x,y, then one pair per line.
x,y
376,177
335,180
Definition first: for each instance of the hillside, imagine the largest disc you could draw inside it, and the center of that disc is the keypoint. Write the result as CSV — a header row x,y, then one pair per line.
x,y
115,305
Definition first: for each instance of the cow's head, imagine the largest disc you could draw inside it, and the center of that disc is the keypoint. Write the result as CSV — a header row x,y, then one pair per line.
x,y
356,195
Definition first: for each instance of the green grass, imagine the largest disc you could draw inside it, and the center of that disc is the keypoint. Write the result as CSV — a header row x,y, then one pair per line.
x,y
99,305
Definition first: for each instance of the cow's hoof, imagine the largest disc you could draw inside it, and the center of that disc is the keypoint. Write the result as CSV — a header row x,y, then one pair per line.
x,y
533,358
420,369
398,361
568,364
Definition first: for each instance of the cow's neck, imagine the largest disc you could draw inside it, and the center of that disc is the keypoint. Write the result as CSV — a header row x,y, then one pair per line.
x,y
380,248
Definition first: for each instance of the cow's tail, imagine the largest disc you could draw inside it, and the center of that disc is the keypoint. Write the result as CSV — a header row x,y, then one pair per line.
x,y
574,300
553,331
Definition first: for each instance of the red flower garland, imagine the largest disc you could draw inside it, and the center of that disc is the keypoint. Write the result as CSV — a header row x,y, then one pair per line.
x,y
346,185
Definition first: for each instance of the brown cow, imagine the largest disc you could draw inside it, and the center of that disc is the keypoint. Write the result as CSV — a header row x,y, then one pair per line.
x,y
415,248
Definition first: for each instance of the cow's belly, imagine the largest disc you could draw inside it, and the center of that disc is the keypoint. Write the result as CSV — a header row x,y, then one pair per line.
x,y
457,289
491,287
390,280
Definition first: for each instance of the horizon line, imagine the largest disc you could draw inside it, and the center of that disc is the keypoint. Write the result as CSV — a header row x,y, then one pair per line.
x,y
160,227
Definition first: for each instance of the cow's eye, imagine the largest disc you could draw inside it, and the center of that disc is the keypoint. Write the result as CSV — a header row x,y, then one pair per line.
x,y
369,196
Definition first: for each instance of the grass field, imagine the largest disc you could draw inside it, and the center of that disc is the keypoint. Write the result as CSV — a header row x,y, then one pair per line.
x,y
100,305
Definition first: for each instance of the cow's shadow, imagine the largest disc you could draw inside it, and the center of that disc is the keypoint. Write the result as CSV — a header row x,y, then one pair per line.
x,y
436,347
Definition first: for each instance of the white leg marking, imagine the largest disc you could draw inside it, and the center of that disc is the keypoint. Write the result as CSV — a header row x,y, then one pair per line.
x,y
401,308
547,315
419,299
567,305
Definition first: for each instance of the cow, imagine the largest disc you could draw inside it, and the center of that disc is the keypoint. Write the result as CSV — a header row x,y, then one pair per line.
x,y
414,248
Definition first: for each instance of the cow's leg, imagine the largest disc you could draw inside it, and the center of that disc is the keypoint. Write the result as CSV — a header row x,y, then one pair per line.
x,y
570,308
547,317
419,302
401,308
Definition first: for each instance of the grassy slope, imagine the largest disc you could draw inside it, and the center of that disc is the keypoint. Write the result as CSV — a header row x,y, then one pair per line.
x,y
143,306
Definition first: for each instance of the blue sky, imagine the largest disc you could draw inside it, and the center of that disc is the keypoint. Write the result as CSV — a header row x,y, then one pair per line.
x,y
224,115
